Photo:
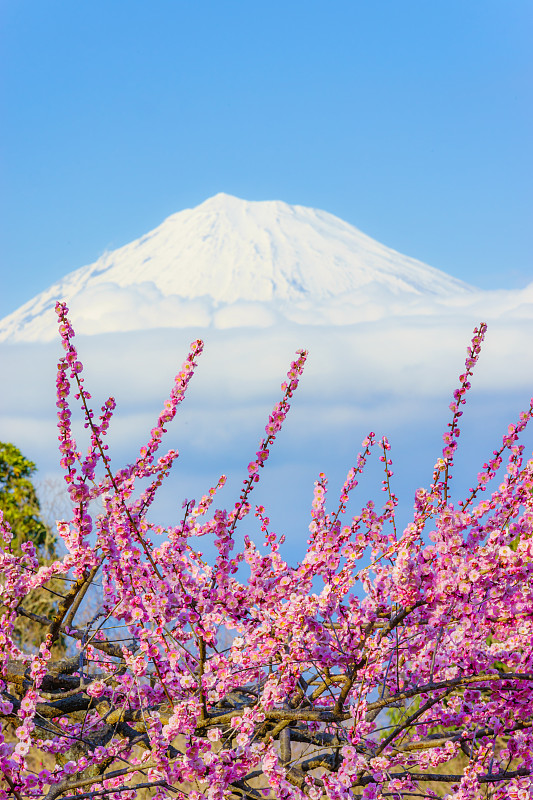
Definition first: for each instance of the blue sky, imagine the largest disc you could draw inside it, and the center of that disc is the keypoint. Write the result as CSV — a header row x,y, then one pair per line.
x,y
411,120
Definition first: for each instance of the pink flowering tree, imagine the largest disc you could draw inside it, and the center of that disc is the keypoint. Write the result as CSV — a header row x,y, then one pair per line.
x,y
386,661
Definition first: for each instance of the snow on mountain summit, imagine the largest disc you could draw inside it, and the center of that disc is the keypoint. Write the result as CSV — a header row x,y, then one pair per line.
x,y
231,263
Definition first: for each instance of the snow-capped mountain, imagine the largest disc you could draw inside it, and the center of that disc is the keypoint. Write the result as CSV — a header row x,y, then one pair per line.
x,y
232,263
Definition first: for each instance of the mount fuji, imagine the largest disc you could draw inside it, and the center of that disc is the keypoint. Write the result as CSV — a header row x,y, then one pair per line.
x,y
256,281
230,263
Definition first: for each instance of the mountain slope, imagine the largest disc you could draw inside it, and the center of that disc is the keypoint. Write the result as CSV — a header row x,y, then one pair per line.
x,y
228,263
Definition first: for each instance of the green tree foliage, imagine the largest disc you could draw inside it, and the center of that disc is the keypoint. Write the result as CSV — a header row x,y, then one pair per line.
x,y
19,502
22,510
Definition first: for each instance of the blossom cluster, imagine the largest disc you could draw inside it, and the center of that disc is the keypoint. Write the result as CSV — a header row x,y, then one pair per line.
x,y
385,660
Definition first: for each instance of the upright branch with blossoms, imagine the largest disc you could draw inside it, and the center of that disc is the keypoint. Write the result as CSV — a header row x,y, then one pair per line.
x,y
321,694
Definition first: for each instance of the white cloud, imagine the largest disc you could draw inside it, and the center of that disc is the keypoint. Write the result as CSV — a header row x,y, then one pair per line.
x,y
107,307
243,315
387,375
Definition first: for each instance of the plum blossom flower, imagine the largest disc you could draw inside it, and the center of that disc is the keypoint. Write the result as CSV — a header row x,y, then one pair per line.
x,y
428,625
96,689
